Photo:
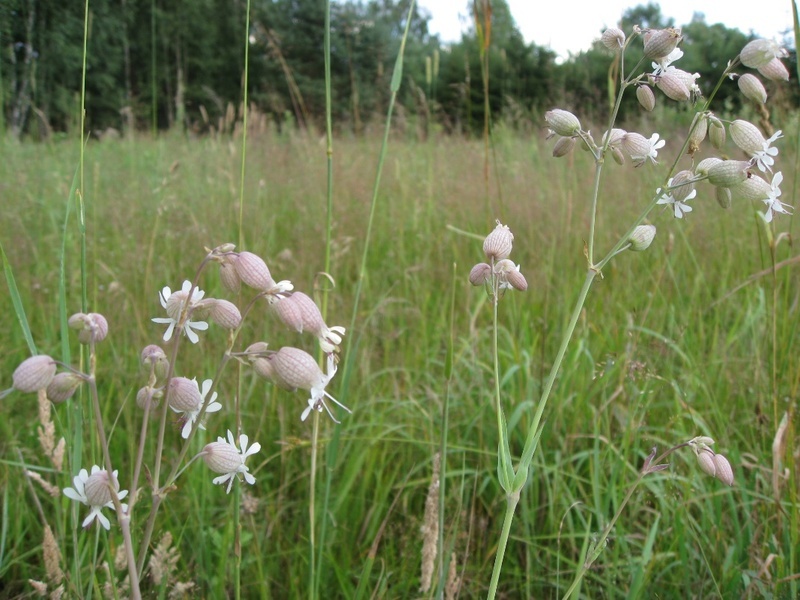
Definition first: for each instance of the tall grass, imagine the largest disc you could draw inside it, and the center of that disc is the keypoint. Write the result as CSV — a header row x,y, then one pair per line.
x,y
661,353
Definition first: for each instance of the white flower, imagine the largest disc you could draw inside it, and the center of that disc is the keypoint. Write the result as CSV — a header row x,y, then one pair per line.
x,y
773,204
173,303
190,416
680,207
764,158
655,146
93,491
224,457
318,393
662,63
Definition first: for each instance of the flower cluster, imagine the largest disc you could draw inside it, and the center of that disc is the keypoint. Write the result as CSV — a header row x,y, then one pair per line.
x,y
500,273
710,462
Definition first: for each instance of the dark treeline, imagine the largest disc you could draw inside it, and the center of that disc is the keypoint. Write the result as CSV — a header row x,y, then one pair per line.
x,y
158,64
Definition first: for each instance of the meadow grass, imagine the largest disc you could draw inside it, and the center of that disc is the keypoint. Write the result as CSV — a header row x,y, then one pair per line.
x,y
667,348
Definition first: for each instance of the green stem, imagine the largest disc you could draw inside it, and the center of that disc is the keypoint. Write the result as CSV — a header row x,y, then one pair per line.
x,y
511,505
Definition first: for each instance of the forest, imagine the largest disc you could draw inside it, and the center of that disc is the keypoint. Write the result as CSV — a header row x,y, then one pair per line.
x,y
165,64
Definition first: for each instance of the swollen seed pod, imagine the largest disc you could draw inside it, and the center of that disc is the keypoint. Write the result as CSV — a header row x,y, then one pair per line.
x,y
705,459
728,173
747,136
62,387
724,472
222,457
34,373
723,196
753,188
480,274
682,185
253,271
613,39
704,165
661,42
752,88
563,146
229,276
223,313
758,53
98,488
673,87
184,395
775,70
698,133
716,133
646,97
498,243
562,122
641,237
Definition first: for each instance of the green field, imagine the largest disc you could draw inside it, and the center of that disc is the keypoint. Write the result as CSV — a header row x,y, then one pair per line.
x,y
695,336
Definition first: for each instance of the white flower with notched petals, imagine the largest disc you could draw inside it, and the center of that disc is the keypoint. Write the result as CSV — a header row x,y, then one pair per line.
x,y
224,457
773,204
662,63
94,490
190,416
173,303
655,146
679,206
765,157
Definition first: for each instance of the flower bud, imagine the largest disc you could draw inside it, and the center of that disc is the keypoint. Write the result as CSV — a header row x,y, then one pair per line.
x,y
758,53
62,387
716,133
747,136
223,313
682,185
517,280
698,133
613,39
774,70
661,42
563,146
91,327
257,348
673,86
641,237
229,276
148,395
480,274
617,155
723,196
263,367
222,457
253,271
98,488
184,395
34,373
646,97
728,173
498,243
562,122
705,459
752,88
154,357
723,469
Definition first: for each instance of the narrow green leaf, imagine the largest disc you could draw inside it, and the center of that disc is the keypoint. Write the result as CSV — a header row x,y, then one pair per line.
x,y
19,310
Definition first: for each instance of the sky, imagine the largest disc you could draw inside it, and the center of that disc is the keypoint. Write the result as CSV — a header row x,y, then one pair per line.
x,y
571,25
